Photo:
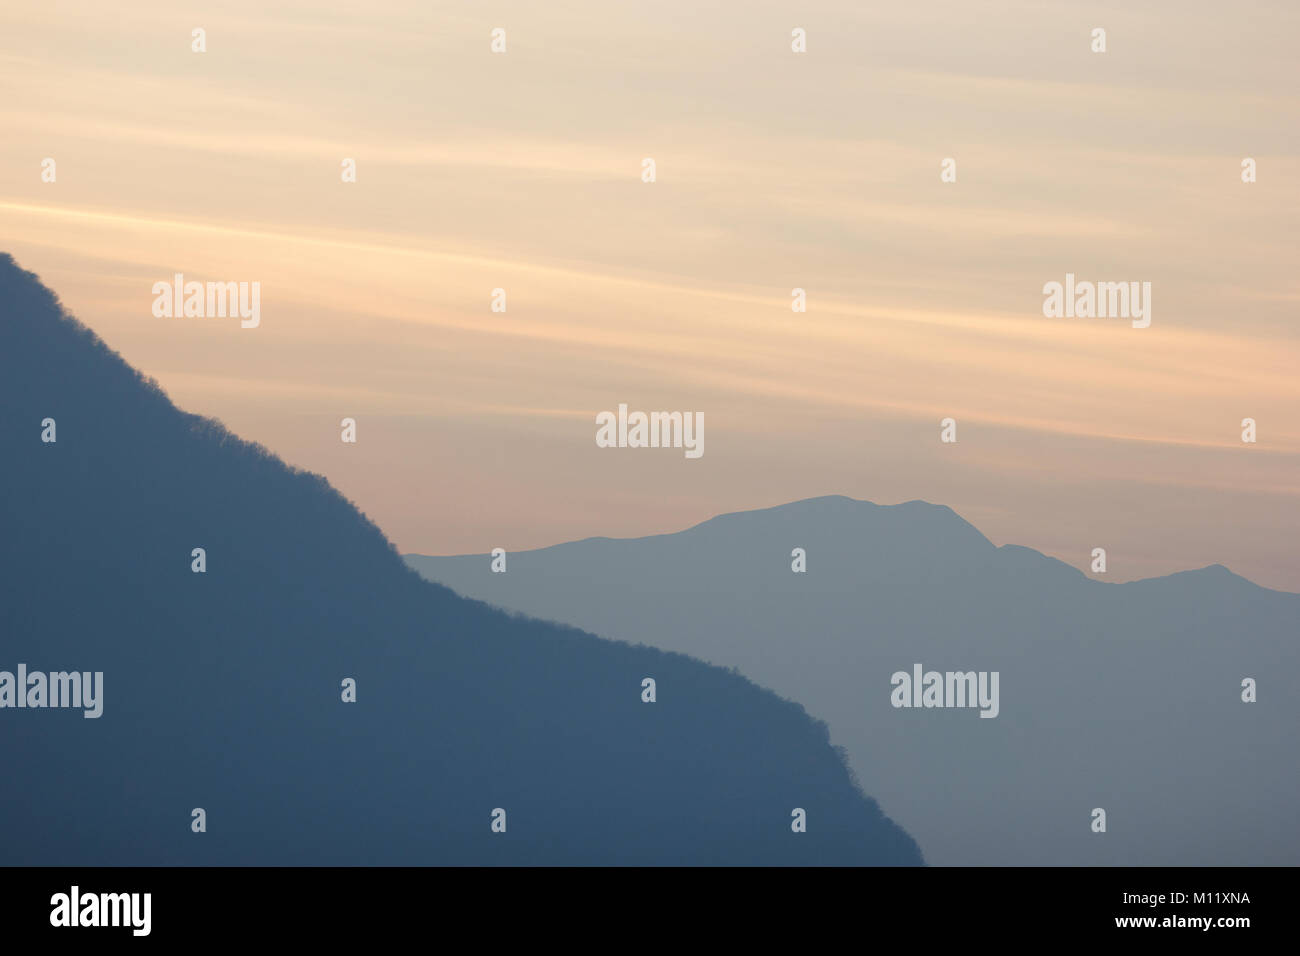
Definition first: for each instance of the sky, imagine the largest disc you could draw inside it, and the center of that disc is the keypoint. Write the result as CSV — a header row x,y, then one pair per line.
x,y
775,170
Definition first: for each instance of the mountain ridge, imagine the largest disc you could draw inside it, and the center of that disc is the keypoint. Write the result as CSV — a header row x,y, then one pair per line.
x,y
222,689
942,509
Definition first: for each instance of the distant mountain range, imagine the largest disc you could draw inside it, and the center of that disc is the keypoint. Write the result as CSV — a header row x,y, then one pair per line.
x,y
223,690
1123,697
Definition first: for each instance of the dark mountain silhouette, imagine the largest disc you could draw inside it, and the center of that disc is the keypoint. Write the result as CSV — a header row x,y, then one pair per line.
x,y
222,689
1126,697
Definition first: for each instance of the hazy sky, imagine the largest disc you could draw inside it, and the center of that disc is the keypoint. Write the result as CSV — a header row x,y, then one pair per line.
x,y
775,170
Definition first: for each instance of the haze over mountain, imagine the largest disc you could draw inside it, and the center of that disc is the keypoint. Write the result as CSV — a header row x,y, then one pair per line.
x,y
221,690
1125,697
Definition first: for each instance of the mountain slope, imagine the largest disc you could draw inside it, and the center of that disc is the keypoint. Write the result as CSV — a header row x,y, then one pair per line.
x,y
222,688
1125,697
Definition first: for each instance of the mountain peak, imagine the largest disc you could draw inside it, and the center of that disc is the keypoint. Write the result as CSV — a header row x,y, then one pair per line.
x,y
913,521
